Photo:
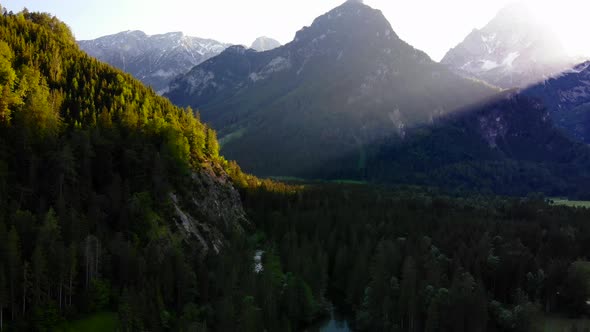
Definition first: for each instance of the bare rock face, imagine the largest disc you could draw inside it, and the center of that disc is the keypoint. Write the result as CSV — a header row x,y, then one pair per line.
x,y
263,44
211,211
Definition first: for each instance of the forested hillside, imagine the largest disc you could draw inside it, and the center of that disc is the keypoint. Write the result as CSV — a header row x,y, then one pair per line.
x,y
567,97
111,198
507,145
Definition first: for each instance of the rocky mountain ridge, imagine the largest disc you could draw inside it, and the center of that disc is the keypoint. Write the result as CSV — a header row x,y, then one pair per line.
x,y
156,59
342,83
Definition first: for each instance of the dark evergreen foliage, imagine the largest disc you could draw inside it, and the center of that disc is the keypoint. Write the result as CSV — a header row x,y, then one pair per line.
x,y
88,156
409,259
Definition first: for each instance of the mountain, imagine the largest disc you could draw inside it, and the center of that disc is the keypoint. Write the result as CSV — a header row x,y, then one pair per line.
x,y
107,190
567,96
515,49
262,44
506,144
155,60
343,83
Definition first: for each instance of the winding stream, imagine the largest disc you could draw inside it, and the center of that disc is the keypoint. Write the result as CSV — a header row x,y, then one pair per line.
x,y
335,323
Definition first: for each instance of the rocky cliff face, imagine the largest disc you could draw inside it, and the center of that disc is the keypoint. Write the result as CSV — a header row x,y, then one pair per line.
x,y
211,211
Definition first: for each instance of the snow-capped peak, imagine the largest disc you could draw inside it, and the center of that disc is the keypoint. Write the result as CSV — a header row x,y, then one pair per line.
x,y
512,50
154,59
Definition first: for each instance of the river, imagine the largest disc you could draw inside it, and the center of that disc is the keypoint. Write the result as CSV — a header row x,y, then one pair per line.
x,y
335,323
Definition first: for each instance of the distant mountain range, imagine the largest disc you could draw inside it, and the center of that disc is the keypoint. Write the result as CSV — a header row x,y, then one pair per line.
x,y
262,44
347,98
513,50
155,60
342,83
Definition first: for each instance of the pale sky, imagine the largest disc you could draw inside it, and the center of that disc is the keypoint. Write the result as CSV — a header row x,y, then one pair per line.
x,y
433,26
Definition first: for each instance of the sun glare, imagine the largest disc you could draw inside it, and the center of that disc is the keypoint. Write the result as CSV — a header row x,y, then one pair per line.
x,y
568,19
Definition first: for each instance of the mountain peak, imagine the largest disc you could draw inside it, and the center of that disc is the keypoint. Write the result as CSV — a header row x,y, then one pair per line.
x,y
353,20
513,50
262,44
515,9
345,82
585,66
134,32
519,17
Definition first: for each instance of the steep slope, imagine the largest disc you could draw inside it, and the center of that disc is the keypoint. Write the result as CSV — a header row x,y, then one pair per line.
x,y
506,145
567,97
155,60
262,44
107,123
513,50
110,196
343,83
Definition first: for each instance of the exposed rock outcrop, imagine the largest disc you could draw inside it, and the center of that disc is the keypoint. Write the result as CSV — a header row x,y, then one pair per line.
x,y
211,211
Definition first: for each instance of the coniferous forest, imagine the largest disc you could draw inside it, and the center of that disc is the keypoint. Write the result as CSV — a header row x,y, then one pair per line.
x,y
97,173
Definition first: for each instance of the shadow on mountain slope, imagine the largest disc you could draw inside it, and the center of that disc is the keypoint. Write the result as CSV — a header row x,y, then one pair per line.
x,y
505,145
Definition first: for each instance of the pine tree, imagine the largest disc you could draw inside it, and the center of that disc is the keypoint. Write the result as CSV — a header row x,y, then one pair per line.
x,y
14,263
211,144
4,298
39,276
5,112
408,295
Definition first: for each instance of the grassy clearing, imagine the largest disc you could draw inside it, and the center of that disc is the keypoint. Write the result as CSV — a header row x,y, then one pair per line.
x,y
99,322
567,202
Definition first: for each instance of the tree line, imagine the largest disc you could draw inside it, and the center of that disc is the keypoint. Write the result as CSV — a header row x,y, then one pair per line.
x,y
411,259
